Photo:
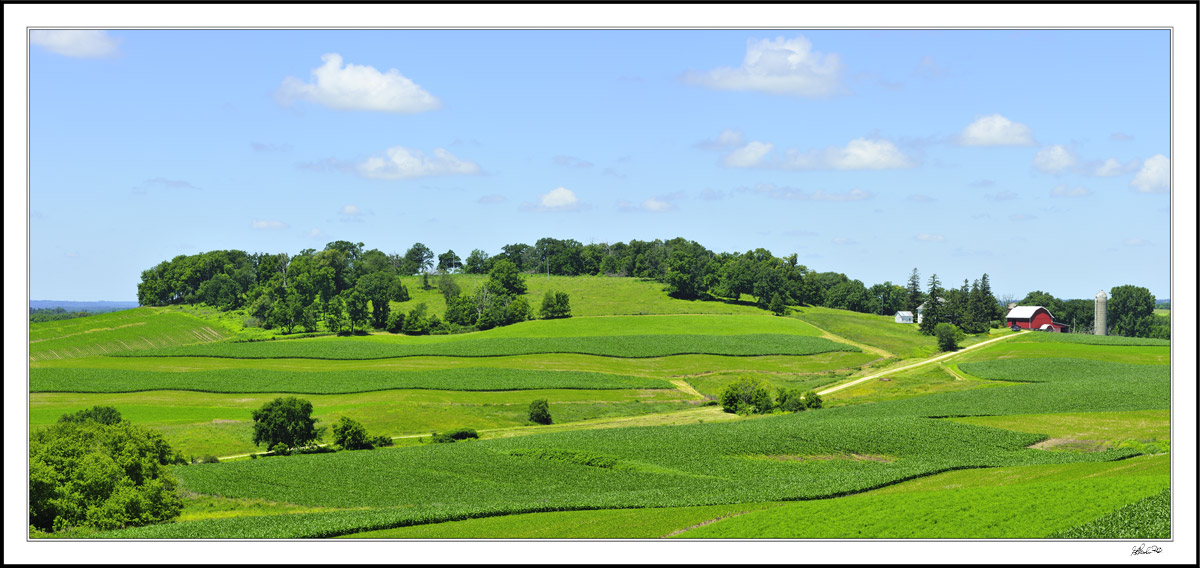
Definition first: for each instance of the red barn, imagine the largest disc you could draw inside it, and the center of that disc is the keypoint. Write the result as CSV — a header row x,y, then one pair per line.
x,y
1035,317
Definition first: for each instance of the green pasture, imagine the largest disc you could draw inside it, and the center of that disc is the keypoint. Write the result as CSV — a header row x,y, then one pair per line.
x,y
628,346
1088,339
590,296
327,382
1038,502
925,380
220,424
901,340
1141,429
1021,348
115,332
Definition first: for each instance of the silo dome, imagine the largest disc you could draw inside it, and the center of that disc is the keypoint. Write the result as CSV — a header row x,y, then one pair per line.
x,y
1101,295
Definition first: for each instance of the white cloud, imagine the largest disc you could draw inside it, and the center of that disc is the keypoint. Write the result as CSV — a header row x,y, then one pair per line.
x,y
315,233
747,156
858,154
996,130
710,194
572,162
557,199
350,210
171,183
1155,176
1054,159
1121,137
1061,190
76,43
358,87
405,163
929,68
930,238
1136,242
657,204
1111,167
268,225
779,67
725,140
1022,217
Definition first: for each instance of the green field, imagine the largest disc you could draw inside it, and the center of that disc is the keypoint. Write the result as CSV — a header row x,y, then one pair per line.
x,y
116,332
1069,432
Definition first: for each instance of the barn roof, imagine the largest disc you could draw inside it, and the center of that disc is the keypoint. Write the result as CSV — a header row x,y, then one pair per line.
x,y
904,313
1025,312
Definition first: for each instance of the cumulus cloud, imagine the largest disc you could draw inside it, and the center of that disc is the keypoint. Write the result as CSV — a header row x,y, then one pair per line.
x,y
557,199
268,225
315,233
725,140
995,130
1121,137
931,238
710,194
357,87
788,193
779,67
660,204
399,162
1054,159
1061,190
1155,175
77,43
747,156
350,210
1136,242
1110,168
858,154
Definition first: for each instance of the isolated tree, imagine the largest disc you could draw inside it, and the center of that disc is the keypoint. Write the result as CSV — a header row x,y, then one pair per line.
x,y
813,400
539,412
286,421
1130,311
448,262
555,305
948,336
350,434
914,297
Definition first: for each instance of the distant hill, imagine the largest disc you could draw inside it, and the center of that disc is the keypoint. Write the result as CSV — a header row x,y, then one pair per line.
x,y
78,306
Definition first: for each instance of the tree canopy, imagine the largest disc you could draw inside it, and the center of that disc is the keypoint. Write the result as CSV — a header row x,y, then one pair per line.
x,y
286,421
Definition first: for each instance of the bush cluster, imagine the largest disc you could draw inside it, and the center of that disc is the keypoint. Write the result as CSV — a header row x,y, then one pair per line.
x,y
748,395
350,434
539,411
455,435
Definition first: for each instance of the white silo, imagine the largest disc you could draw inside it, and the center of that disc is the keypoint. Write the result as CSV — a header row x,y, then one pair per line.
x,y
1101,313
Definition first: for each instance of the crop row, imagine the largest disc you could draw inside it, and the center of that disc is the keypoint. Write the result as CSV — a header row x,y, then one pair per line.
x,y
629,346
328,382
1087,339
700,464
1147,518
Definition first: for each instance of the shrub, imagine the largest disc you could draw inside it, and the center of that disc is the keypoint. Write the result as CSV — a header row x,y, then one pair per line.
x,y
748,395
395,323
555,305
382,441
105,476
280,449
948,335
207,459
518,311
455,435
106,415
790,400
539,411
286,421
812,399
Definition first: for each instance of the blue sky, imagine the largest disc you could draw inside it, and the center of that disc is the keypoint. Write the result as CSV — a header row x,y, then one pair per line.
x,y
1039,157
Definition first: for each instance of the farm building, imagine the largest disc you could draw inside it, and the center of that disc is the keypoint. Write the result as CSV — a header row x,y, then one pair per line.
x,y
1034,317
921,309
904,317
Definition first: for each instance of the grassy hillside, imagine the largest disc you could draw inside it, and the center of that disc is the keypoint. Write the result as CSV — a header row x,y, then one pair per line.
x,y
116,332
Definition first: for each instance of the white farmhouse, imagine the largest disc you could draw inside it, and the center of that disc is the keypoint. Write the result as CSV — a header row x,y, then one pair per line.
x,y
921,309
904,317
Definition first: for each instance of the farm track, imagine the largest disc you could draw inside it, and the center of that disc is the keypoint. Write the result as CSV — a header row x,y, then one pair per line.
x,y
863,346
915,365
